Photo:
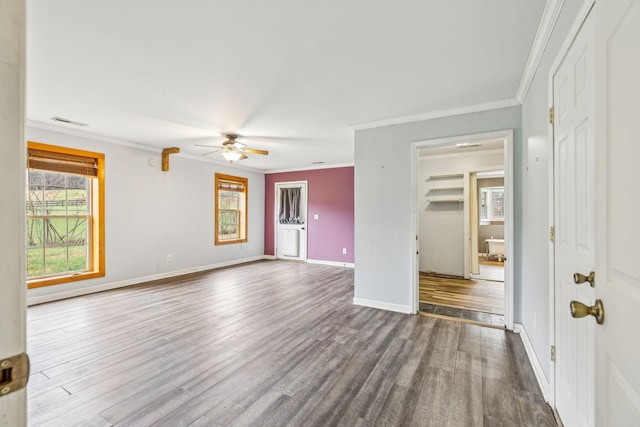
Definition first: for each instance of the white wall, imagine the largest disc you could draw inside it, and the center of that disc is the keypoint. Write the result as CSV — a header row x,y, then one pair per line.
x,y
383,195
537,168
151,213
441,230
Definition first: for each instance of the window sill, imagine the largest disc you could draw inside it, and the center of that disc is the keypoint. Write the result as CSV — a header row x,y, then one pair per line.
x,y
57,280
228,242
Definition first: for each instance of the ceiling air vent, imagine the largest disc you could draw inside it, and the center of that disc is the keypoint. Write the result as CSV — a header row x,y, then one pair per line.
x,y
67,121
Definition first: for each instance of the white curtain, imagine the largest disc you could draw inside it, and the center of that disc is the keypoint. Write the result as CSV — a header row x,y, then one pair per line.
x,y
473,226
290,206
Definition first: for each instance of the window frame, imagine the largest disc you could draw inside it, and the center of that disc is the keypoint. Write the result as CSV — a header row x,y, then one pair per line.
x,y
243,214
96,244
490,219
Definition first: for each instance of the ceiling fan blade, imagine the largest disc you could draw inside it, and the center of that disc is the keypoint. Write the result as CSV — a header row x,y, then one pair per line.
x,y
254,151
212,152
210,146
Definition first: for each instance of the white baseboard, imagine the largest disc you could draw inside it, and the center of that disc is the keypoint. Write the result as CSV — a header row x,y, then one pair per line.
x,y
40,299
334,263
271,257
383,305
535,362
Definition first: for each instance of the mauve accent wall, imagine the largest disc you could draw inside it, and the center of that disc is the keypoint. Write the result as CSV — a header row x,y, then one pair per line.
x,y
330,196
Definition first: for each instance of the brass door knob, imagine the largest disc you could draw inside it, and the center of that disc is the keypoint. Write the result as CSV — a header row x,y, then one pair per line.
x,y
578,310
581,278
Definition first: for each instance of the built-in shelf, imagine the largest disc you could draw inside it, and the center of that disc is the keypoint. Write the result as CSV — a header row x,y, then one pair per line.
x,y
445,198
445,188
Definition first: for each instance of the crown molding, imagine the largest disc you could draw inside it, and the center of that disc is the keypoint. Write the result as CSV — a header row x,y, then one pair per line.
x,y
309,168
116,141
90,135
456,111
547,24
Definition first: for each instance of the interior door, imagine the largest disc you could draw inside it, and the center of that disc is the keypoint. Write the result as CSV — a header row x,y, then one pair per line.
x,y
617,226
12,165
574,181
291,225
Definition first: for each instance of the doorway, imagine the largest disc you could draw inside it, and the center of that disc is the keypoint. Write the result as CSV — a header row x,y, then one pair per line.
x,y
464,227
291,220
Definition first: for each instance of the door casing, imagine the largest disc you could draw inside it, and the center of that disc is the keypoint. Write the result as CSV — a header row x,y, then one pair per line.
x,y
305,227
507,136
566,45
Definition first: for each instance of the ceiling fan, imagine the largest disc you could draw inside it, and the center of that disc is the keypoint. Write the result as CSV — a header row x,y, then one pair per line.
x,y
233,150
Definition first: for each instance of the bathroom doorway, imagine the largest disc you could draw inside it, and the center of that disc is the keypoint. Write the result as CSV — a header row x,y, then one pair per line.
x,y
463,220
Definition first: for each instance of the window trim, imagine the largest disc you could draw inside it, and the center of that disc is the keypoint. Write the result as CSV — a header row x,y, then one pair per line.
x,y
491,219
244,229
97,244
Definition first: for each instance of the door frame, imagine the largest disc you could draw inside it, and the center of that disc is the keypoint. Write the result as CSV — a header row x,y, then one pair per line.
x,y
507,136
275,216
13,406
555,65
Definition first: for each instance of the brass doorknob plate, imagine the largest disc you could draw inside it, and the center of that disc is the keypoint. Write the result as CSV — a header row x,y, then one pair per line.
x,y
581,278
578,310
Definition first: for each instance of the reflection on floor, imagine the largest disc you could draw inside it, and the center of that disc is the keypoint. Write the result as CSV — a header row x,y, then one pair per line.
x,y
479,299
490,270
459,313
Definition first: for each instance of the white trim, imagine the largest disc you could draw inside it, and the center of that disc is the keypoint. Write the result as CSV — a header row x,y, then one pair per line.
x,y
310,168
275,217
486,106
533,359
270,257
135,281
88,135
382,305
562,52
547,24
463,154
333,263
507,136
116,141
571,35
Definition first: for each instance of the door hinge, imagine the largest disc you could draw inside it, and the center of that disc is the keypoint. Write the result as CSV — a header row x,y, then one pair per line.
x,y
552,233
14,373
553,353
551,115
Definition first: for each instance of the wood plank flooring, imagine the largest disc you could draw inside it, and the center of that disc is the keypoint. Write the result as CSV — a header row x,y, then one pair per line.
x,y
470,294
268,344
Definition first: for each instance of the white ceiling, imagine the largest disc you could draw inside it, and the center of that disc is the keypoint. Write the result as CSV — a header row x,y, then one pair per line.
x,y
290,76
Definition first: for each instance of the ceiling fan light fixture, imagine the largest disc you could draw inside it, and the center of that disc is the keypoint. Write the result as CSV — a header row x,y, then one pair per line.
x,y
233,156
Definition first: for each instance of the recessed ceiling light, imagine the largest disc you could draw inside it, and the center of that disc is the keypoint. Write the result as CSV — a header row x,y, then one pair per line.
x,y
317,163
67,121
468,144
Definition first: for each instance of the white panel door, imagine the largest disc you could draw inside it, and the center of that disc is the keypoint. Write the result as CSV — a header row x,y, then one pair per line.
x,y
574,180
291,239
617,223
12,168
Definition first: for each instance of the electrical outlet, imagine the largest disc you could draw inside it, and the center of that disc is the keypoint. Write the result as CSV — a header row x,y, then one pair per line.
x,y
169,258
153,162
315,216
344,251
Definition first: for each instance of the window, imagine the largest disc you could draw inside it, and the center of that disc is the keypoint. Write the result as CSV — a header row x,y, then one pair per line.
x,y
64,215
231,209
491,204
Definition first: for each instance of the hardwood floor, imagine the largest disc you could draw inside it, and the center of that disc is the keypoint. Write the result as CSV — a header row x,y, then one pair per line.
x,y
268,344
486,296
